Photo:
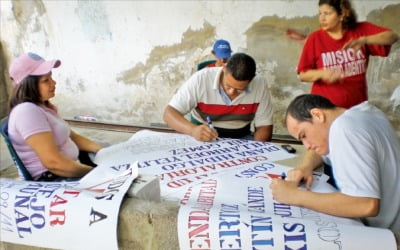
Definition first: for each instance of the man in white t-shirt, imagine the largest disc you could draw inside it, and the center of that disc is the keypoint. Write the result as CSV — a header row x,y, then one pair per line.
x,y
223,102
364,152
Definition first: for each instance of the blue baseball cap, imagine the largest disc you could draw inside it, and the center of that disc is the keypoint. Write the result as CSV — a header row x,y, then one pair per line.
x,y
222,49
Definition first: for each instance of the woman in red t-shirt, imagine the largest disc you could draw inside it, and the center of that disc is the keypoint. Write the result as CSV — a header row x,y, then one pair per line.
x,y
335,57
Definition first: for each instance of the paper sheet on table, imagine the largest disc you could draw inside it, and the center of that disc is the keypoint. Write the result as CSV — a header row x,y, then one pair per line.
x,y
237,211
180,161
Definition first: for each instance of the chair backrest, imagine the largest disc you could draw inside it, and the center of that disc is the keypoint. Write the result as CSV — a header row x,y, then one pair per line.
x,y
23,172
204,64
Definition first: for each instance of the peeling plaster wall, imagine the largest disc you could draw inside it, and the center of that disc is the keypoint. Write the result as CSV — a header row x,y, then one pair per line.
x,y
123,60
3,86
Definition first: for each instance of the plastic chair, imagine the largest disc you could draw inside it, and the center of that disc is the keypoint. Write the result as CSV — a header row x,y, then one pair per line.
x,y
23,172
204,64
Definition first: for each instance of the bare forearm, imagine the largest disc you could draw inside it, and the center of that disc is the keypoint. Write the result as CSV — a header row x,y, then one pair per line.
x,y
310,161
66,167
384,38
84,143
52,159
337,204
177,121
263,133
311,75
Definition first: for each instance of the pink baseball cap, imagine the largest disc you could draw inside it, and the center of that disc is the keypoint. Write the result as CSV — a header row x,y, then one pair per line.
x,y
30,64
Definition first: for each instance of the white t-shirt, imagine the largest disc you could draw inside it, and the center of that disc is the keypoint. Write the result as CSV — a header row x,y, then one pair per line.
x,y
365,157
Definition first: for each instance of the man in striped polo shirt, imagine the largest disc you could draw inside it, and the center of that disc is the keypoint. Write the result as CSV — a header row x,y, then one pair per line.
x,y
232,97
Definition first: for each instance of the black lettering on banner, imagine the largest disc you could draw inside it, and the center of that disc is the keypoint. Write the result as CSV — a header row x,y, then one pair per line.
x,y
96,216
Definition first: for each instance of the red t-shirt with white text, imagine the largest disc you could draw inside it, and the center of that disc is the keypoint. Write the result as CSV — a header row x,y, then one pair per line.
x,y
323,52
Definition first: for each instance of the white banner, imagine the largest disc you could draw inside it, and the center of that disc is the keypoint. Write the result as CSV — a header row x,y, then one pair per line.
x,y
180,161
237,211
75,215
226,203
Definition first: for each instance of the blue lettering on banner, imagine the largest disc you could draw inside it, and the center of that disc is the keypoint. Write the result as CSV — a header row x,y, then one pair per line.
x,y
261,229
282,209
229,230
28,211
156,162
252,171
121,167
259,151
255,199
197,162
213,152
188,150
294,236
113,187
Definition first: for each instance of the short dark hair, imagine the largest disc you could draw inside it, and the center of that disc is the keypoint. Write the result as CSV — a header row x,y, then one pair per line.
x,y
241,66
301,106
26,91
343,7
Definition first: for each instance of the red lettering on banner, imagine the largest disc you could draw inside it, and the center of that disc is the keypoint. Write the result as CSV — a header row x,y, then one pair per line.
x,y
57,201
57,217
198,230
179,183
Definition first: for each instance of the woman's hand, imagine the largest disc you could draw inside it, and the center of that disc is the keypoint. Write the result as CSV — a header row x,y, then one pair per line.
x,y
331,76
326,75
84,143
356,44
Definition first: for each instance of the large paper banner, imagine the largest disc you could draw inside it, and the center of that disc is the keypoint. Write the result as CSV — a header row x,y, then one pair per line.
x,y
237,211
180,161
76,215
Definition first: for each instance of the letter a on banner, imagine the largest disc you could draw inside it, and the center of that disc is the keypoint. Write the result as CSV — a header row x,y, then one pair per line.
x,y
96,216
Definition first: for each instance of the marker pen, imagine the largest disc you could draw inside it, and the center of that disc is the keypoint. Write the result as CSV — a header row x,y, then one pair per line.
x,y
209,122
210,125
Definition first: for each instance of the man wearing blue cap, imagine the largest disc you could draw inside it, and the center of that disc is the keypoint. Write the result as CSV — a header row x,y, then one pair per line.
x,y
222,52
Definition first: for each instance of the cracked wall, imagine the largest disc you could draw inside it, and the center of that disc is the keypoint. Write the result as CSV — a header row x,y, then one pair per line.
x,y
123,60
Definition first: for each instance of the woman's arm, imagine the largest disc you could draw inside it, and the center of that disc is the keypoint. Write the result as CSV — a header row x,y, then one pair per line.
x,y
383,38
84,143
44,146
313,75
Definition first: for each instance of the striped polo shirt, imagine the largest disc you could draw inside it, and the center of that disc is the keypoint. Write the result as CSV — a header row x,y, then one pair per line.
x,y
201,96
